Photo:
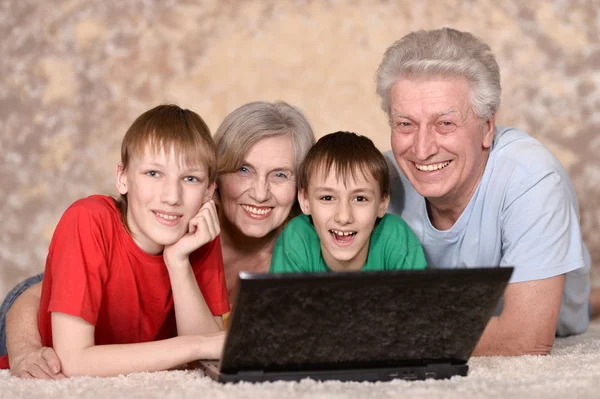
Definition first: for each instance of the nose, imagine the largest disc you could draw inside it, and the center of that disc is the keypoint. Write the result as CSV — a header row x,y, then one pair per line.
x,y
343,213
261,191
171,192
425,144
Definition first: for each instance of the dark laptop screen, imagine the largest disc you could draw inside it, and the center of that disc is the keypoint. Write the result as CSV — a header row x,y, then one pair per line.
x,y
324,321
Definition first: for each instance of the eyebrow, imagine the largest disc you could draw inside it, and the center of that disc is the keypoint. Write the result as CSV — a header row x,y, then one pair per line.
x,y
285,167
154,164
194,170
187,170
437,114
446,112
357,190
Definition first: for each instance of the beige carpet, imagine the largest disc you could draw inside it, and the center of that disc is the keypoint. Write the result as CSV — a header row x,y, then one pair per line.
x,y
572,371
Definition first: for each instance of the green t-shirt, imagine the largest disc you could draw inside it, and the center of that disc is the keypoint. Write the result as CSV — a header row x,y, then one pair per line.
x,y
393,246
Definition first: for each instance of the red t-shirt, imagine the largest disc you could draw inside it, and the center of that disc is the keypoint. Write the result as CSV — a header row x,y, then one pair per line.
x,y
96,271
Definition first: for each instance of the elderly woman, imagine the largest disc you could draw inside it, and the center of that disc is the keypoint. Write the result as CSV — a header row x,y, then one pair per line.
x,y
259,148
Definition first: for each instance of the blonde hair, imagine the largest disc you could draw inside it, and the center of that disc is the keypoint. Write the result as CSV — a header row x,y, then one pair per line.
x,y
255,121
169,127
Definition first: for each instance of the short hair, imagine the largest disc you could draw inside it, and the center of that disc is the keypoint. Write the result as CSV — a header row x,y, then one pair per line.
x,y
167,127
445,52
345,153
254,121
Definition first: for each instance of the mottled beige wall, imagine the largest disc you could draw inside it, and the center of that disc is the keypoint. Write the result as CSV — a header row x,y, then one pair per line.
x,y
74,75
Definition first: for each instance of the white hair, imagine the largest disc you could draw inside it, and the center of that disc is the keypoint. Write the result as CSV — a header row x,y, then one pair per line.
x,y
254,121
445,52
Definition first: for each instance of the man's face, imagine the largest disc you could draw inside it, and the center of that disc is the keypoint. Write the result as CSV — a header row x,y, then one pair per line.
x,y
344,215
162,197
437,139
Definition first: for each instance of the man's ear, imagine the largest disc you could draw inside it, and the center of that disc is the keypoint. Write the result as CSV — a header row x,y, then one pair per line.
x,y
121,180
210,192
489,129
303,201
383,206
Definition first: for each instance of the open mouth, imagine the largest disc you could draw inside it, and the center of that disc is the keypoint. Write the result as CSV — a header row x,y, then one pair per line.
x,y
432,167
342,236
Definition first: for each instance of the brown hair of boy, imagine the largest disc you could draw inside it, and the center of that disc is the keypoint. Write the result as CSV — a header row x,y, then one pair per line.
x,y
168,127
346,153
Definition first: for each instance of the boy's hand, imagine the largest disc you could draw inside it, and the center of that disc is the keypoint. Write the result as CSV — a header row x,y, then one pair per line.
x,y
203,228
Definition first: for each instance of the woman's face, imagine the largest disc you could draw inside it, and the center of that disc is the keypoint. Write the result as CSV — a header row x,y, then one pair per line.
x,y
258,197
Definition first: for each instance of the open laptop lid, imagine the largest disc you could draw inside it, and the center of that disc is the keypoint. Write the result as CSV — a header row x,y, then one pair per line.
x,y
326,321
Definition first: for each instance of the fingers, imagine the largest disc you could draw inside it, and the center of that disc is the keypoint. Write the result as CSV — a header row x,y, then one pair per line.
x,y
49,364
51,359
39,373
40,370
206,222
209,210
42,363
36,371
202,228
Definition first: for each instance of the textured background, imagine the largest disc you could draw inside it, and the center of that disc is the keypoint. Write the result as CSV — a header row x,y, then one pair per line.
x,y
75,74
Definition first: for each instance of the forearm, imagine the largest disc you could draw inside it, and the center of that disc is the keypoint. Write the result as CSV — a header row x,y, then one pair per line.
x,y
112,360
192,314
22,333
502,338
527,324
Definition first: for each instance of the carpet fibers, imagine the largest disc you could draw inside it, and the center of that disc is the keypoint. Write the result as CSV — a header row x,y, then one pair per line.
x,y
571,371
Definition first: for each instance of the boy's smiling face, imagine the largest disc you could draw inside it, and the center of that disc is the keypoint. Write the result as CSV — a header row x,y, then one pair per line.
x,y
163,195
344,215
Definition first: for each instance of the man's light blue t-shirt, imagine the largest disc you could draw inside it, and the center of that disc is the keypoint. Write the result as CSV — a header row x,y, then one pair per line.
x,y
524,213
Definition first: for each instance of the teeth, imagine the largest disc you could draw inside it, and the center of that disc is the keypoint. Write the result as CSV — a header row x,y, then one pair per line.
x,y
343,233
167,217
257,211
430,168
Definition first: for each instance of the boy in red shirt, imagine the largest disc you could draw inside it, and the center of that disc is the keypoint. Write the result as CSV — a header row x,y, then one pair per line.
x,y
137,284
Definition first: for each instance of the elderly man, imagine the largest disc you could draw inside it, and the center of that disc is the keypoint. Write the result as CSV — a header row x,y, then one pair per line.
x,y
477,194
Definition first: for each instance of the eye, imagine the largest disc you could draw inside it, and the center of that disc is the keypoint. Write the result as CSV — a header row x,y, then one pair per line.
x,y
152,173
243,170
281,175
191,179
360,198
326,198
445,127
405,127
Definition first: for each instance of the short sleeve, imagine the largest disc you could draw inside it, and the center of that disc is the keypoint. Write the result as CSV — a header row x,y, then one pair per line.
x,y
285,259
403,249
77,263
297,249
540,229
207,263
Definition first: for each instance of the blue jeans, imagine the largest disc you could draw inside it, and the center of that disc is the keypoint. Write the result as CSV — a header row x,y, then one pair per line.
x,y
10,299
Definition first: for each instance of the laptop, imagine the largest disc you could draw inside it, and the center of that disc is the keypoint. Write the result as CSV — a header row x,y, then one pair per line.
x,y
357,326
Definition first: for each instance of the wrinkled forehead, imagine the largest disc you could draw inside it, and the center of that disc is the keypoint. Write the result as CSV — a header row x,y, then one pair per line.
x,y
433,94
275,150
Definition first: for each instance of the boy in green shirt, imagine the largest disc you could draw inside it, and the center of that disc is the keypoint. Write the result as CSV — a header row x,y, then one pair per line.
x,y
344,192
